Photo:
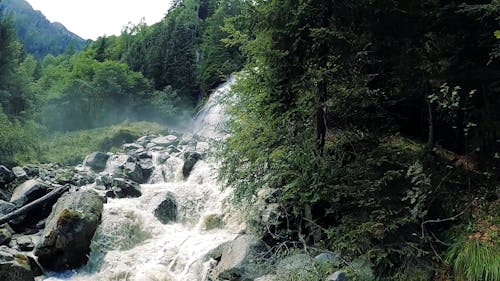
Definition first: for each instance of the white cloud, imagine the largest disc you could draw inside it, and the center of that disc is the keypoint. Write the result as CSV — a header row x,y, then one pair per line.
x,y
93,18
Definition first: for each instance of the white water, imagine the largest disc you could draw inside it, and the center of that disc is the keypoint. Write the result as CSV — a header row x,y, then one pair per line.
x,y
131,244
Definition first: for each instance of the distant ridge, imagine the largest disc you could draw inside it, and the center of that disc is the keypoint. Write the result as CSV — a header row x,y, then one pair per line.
x,y
39,35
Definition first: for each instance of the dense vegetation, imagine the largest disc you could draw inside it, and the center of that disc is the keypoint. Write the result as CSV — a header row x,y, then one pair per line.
x,y
372,125
39,35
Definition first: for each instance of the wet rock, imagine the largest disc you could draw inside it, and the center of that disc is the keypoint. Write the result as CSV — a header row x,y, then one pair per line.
x,y
165,141
202,147
23,242
167,210
239,259
6,207
5,234
96,161
212,221
268,277
14,266
128,147
190,159
122,188
28,191
144,140
6,176
337,276
20,174
133,171
147,168
65,242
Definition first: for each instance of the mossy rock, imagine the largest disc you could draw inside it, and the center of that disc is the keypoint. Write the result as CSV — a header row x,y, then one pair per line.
x,y
212,221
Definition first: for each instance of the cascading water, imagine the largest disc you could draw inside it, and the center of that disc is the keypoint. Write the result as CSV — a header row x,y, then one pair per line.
x,y
133,244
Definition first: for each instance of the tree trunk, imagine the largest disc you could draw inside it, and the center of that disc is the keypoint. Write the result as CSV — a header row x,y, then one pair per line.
x,y
430,140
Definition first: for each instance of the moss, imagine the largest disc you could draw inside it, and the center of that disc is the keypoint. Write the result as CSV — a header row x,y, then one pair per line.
x,y
68,216
212,221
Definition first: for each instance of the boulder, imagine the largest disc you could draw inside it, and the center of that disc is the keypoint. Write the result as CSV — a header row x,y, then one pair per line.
x,y
299,265
147,168
28,191
239,259
202,147
23,242
6,176
133,171
190,159
165,141
14,266
329,258
5,234
65,241
122,188
212,221
167,210
96,161
6,207
128,147
337,276
20,174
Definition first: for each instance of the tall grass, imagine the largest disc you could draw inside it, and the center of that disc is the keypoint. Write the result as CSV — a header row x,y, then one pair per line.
x,y
72,147
476,256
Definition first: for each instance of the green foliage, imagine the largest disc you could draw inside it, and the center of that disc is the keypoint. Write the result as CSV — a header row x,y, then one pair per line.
x,y
17,141
72,147
475,252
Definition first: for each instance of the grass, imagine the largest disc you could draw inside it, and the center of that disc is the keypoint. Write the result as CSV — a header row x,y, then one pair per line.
x,y
72,147
475,255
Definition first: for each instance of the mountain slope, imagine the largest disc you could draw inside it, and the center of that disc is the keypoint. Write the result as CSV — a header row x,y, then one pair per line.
x,y
39,35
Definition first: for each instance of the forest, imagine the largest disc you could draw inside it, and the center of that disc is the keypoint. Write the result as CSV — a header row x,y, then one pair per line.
x,y
371,126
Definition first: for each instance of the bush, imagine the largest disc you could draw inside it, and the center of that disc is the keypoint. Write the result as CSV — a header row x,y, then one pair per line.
x,y
17,141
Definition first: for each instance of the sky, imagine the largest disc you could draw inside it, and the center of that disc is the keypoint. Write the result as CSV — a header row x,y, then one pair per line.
x,y
90,19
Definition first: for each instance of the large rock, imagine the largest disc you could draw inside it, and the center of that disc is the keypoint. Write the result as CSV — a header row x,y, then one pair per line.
x,y
122,188
167,210
65,241
28,191
337,276
6,176
6,207
96,161
5,234
165,141
190,159
239,259
20,174
14,266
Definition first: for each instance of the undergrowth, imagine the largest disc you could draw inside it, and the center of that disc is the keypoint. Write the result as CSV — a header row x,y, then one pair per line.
x,y
71,147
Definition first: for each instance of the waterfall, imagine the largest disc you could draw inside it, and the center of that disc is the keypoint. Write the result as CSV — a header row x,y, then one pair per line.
x,y
133,244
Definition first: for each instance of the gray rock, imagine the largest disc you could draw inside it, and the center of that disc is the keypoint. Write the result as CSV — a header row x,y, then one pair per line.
x,y
165,141
332,259
337,276
167,210
6,176
147,168
132,147
65,241
28,191
20,174
133,171
297,264
5,234
96,161
202,147
14,266
23,242
122,188
6,207
239,259
190,159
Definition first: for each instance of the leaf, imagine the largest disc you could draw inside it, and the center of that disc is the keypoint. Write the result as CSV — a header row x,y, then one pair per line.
x,y
497,34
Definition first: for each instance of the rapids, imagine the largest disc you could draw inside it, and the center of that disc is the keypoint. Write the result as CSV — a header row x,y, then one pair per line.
x,y
132,244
